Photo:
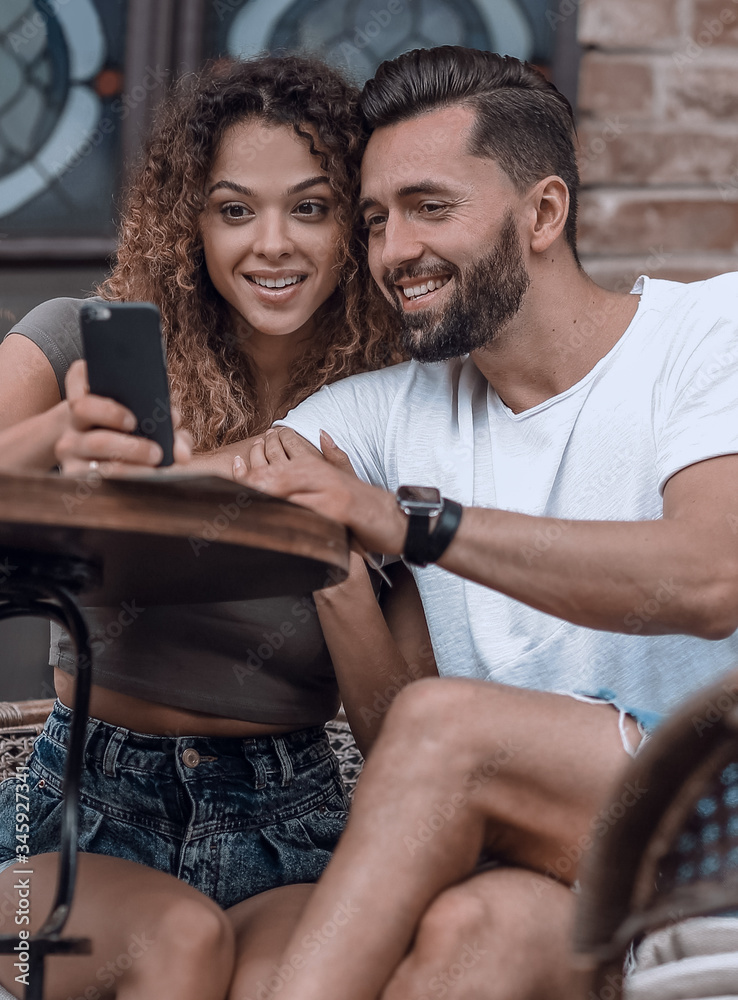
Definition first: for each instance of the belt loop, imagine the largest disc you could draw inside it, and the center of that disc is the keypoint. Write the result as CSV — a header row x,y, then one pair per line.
x,y
285,762
92,726
256,762
112,750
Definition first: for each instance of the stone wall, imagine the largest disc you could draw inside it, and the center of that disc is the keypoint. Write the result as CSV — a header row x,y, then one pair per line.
x,y
658,129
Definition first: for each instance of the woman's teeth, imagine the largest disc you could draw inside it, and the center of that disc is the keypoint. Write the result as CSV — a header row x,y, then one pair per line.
x,y
277,282
427,286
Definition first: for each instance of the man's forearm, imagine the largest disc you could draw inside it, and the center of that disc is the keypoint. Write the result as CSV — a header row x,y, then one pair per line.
x,y
643,577
677,574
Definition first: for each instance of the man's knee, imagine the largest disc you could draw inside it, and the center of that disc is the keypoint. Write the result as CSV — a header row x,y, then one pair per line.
x,y
424,742
435,708
449,944
453,919
490,937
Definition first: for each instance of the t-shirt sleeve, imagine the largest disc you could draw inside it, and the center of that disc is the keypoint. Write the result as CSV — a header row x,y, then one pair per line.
x,y
698,417
54,327
355,412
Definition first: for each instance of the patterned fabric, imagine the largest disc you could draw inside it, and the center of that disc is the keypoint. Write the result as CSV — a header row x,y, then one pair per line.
x,y
708,846
15,746
349,756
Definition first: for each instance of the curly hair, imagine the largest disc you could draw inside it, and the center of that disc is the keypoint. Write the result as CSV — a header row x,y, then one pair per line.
x,y
160,256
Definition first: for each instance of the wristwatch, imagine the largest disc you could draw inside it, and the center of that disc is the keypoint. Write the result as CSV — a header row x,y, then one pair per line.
x,y
432,523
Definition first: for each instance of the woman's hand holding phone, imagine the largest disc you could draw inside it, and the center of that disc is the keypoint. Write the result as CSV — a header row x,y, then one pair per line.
x,y
100,436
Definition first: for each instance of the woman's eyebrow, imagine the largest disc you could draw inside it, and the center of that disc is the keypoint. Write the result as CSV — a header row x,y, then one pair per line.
x,y
233,186
249,193
310,182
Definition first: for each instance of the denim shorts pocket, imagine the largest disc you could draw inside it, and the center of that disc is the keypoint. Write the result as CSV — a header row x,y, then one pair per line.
x,y
46,810
24,814
325,773
7,820
47,814
102,829
324,825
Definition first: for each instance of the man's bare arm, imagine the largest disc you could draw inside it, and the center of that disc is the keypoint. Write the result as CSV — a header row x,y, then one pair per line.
x,y
675,575
678,574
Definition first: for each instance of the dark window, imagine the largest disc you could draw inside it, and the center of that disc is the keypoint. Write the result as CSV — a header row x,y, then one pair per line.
x,y
356,35
61,66
79,80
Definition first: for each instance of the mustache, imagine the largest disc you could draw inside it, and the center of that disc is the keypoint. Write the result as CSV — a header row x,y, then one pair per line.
x,y
423,269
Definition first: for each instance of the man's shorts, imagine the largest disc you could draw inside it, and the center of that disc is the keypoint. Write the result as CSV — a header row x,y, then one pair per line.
x,y
645,720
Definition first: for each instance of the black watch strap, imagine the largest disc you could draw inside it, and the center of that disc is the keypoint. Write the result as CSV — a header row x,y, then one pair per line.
x,y
416,542
422,546
446,524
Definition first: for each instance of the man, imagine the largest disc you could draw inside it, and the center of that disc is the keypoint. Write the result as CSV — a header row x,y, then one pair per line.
x,y
590,438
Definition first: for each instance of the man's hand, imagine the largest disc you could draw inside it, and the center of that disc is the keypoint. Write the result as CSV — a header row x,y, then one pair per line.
x,y
284,464
101,431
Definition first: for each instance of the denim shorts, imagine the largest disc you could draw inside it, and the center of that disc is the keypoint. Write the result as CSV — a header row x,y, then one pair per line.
x,y
646,720
231,817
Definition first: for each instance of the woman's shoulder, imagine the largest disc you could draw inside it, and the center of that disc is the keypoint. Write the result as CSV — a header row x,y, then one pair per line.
x,y
53,316
54,327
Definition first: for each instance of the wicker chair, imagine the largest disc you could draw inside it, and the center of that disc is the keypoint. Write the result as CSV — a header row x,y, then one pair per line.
x,y
22,721
668,856
20,724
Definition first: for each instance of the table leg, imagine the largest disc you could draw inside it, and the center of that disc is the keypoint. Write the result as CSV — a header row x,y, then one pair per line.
x,y
33,595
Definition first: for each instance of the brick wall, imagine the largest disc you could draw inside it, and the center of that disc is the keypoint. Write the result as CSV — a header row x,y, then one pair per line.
x,y
658,130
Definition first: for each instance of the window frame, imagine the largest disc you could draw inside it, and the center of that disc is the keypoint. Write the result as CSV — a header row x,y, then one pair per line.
x,y
154,37
171,33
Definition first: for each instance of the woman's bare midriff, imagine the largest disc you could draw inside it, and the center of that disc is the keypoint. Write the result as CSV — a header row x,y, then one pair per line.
x,y
159,720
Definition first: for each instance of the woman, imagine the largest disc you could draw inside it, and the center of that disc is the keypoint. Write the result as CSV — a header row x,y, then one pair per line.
x,y
239,227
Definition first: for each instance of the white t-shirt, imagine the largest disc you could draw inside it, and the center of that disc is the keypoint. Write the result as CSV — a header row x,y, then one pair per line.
x,y
664,397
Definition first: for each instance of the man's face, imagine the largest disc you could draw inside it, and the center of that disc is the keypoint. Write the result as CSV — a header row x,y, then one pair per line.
x,y
442,234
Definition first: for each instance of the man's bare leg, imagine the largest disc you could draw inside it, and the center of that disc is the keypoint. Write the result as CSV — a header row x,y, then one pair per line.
x,y
459,765
496,936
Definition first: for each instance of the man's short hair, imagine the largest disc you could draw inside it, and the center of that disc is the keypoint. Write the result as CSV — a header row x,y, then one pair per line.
x,y
522,121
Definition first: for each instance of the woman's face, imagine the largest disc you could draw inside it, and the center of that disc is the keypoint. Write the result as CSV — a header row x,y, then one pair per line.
x,y
269,229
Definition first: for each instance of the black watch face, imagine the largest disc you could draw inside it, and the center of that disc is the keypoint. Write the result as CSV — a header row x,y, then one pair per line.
x,y
420,497
420,494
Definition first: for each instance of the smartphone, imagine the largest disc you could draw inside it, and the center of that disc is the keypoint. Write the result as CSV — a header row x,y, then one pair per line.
x,y
124,350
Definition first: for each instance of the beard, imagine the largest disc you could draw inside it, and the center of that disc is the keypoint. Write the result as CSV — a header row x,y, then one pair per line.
x,y
487,295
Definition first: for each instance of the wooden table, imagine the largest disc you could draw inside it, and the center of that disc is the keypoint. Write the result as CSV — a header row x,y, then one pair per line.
x,y
158,540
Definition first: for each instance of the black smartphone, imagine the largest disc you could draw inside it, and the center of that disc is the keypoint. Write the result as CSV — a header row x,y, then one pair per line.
x,y
124,350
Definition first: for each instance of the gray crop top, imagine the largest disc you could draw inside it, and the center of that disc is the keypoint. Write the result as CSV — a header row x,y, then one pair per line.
x,y
260,661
